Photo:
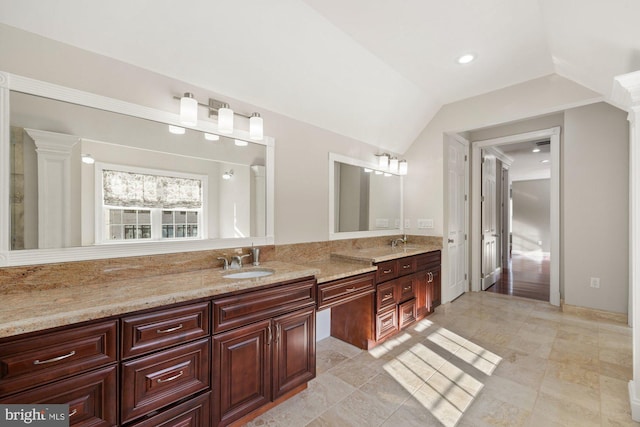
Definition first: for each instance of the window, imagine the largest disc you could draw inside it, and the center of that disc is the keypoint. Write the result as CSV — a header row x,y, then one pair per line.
x,y
143,205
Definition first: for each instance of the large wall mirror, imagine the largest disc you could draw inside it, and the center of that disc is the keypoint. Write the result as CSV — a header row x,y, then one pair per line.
x,y
87,177
363,201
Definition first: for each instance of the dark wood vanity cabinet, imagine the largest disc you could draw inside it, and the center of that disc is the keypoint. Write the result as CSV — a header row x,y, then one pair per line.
x,y
75,365
263,347
407,289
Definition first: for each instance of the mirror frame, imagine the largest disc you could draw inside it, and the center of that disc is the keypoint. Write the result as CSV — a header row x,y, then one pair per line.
x,y
335,235
9,82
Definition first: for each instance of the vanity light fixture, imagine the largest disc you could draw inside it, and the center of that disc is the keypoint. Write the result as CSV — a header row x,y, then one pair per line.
x,y
188,110
211,137
225,119
403,167
177,130
393,164
383,160
227,175
240,143
189,115
256,130
88,159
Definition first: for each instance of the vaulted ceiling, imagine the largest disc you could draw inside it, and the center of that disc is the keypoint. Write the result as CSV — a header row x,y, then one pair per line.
x,y
374,70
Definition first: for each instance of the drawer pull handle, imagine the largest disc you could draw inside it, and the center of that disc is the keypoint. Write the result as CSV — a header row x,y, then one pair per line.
x,y
407,288
406,266
351,289
175,377
166,331
72,413
55,359
387,296
387,271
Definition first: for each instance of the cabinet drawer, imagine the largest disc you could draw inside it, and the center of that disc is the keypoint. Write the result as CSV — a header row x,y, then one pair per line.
x,y
386,295
341,291
155,381
55,355
386,322
427,260
406,288
407,265
406,313
92,397
238,310
153,331
386,271
193,413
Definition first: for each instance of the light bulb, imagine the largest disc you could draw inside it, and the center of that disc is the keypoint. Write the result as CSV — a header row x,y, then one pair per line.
x,y
188,110
403,167
256,130
225,119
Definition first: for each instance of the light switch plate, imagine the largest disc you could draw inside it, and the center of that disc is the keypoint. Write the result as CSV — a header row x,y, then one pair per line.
x,y
425,223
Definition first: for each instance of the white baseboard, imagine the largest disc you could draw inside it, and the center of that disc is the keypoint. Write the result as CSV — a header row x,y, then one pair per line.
x,y
634,401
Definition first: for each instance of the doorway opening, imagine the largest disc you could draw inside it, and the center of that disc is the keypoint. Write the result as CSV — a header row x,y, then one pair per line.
x,y
504,258
522,219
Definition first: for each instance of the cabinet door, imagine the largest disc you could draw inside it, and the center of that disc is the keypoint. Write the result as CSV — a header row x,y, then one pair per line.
x,y
241,371
423,294
294,356
435,272
92,397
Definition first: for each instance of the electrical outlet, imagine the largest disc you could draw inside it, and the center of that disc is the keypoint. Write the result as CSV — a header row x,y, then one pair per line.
x,y
425,223
595,282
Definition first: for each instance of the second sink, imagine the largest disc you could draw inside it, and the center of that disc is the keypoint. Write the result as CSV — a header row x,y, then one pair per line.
x,y
248,274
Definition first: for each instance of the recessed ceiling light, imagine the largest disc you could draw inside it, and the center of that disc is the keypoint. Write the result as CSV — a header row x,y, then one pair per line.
x,y
466,58
536,150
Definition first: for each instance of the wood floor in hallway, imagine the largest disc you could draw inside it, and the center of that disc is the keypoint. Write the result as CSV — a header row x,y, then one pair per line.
x,y
527,275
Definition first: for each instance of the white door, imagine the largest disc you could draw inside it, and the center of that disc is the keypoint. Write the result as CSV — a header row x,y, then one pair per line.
x,y
457,233
490,261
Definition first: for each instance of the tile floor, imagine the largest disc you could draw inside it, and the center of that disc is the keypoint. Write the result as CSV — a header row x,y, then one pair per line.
x,y
484,360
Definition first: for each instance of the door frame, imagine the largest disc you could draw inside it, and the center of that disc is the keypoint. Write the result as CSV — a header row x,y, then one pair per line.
x,y
553,134
444,275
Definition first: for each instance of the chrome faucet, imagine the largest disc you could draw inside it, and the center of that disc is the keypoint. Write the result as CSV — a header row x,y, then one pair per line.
x,y
403,239
236,261
225,262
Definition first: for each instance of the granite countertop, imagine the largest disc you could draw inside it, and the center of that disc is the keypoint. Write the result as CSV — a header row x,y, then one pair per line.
x,y
335,269
384,253
33,310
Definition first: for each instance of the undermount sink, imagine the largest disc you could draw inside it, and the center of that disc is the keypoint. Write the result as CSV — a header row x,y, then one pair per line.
x,y
248,274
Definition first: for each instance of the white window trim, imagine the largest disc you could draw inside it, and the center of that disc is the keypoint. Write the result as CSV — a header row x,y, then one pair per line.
x,y
100,209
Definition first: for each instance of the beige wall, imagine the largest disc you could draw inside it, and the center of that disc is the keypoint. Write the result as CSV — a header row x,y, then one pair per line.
x,y
531,226
596,207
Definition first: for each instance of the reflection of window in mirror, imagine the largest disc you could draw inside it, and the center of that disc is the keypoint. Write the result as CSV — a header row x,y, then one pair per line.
x,y
140,204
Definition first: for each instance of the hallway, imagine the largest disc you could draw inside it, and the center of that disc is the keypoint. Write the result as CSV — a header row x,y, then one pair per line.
x,y
526,276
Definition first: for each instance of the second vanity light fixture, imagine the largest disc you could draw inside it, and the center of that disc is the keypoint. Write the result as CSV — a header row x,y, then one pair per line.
x,y
189,115
392,164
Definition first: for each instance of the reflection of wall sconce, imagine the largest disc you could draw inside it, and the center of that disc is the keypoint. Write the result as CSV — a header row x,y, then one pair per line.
x,y
88,159
189,115
227,175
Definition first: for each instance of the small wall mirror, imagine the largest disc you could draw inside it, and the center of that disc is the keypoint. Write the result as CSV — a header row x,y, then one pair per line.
x,y
98,183
364,201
